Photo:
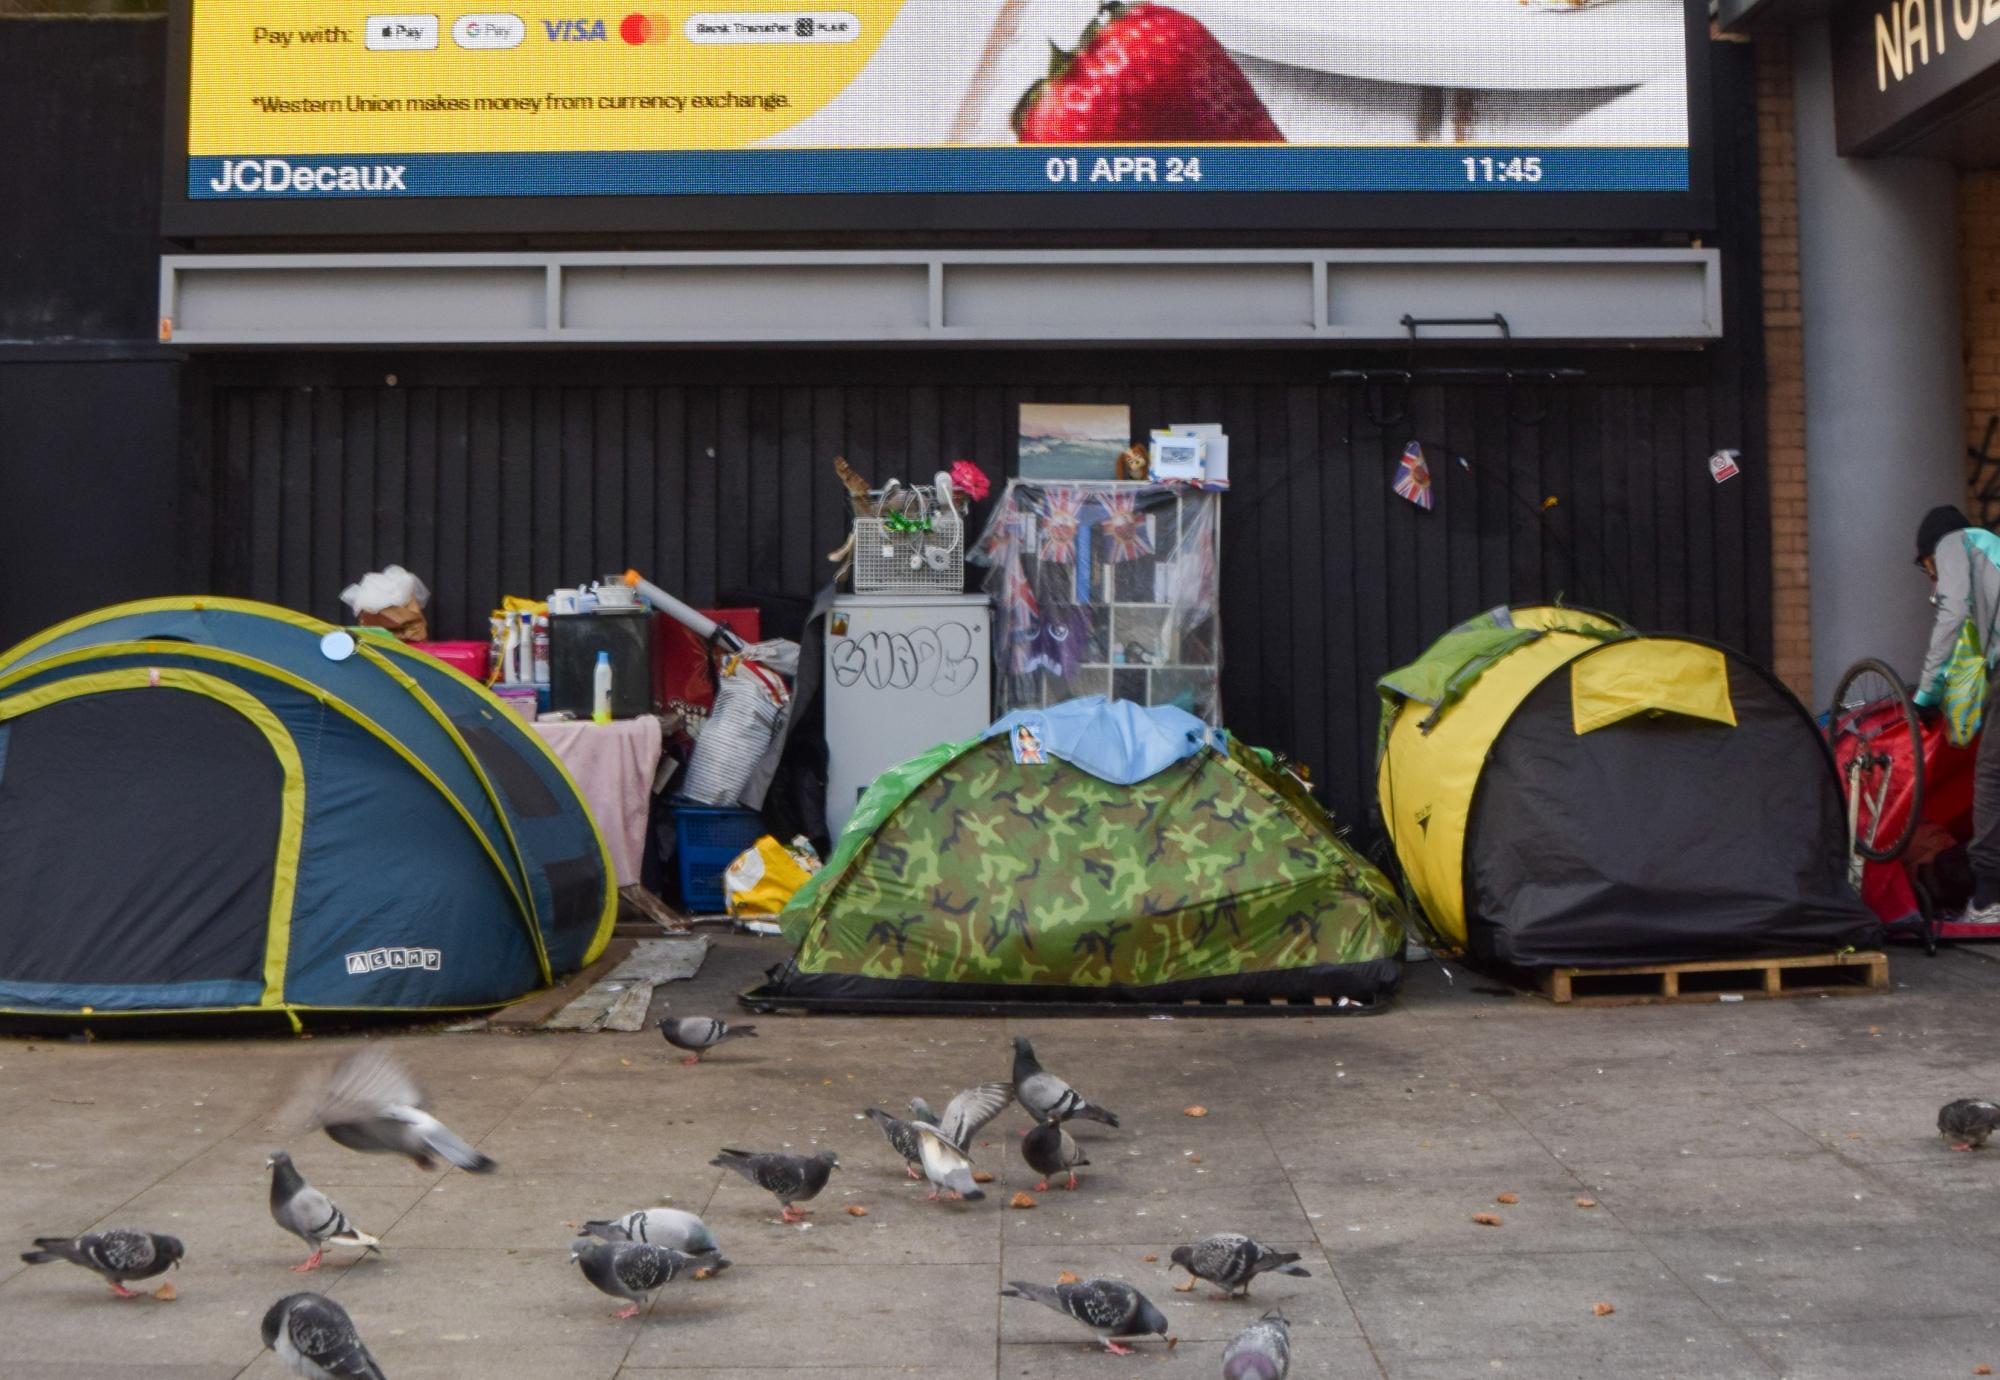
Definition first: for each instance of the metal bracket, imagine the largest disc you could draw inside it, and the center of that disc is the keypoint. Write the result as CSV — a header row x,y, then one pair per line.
x,y
1413,373
1499,322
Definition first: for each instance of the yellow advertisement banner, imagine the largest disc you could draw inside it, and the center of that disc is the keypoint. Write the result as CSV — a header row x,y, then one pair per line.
x,y
348,77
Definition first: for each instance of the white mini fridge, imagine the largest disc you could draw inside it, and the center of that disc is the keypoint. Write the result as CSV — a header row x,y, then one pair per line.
x,y
904,672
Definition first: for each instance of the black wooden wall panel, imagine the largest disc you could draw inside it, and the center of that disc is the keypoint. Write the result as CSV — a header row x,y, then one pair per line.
x,y
515,473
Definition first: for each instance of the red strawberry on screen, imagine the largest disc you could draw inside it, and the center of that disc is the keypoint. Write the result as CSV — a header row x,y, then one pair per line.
x,y
1141,74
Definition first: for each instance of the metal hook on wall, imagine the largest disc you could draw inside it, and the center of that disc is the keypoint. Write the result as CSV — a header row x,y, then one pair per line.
x,y
1539,415
1374,389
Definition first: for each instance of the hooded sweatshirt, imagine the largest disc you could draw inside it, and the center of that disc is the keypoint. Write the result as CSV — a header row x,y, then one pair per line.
x,y
1968,586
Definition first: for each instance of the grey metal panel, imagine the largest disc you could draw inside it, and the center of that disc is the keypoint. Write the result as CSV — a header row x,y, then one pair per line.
x,y
1148,300
1657,300
445,302
745,302
965,296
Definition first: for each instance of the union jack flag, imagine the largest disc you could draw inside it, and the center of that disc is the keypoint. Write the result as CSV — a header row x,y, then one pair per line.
x,y
1413,477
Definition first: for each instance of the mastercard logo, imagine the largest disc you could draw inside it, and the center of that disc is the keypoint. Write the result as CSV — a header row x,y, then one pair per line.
x,y
641,29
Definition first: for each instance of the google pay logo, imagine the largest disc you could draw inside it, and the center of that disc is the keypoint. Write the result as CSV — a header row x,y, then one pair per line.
x,y
489,31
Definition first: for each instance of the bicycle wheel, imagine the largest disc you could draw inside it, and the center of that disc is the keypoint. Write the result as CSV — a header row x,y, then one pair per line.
x,y
1878,745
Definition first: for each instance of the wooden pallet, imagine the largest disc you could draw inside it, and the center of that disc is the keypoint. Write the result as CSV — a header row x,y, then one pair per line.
x,y
767,1003
1733,980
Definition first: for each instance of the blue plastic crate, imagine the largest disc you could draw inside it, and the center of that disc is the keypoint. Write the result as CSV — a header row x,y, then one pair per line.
x,y
706,841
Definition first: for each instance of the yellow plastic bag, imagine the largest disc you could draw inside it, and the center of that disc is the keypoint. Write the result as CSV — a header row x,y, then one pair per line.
x,y
764,876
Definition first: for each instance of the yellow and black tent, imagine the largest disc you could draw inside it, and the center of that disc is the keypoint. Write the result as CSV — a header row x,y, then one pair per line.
x,y
1564,791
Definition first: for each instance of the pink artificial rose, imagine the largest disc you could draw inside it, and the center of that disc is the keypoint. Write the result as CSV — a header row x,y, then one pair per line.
x,y
968,479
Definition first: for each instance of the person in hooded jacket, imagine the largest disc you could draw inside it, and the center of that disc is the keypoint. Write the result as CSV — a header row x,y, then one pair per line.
x,y
1963,562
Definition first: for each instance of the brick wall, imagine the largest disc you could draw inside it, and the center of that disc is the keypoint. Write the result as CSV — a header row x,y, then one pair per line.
x,y
1979,271
1791,603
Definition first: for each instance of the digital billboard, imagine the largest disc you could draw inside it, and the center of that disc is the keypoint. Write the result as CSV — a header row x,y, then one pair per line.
x,y
1141,112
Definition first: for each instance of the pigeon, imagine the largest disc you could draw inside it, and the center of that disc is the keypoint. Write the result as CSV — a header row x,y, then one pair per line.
x,y
372,1105
700,1033
945,1165
790,1178
117,1255
902,1138
1968,1122
1261,1351
1049,1151
660,1226
967,1114
1111,1306
633,1270
315,1338
1231,1261
310,1215
1046,1096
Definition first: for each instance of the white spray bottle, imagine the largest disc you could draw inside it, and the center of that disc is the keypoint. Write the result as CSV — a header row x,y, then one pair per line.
x,y
600,690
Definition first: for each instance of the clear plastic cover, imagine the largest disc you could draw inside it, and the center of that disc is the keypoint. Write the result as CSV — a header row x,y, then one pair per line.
x,y
1105,588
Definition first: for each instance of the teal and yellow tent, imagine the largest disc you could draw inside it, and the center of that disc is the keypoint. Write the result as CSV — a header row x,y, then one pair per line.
x,y
202,811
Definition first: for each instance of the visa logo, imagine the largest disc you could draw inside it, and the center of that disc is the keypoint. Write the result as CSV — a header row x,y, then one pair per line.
x,y
574,30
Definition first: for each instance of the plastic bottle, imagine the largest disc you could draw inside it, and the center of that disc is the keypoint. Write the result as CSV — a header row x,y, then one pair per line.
x,y
509,657
541,649
600,690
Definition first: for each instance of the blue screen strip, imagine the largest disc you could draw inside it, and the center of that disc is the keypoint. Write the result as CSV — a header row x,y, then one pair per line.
x,y
1162,171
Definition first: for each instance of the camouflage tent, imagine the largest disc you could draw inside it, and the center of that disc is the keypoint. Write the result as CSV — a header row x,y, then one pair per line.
x,y
1095,852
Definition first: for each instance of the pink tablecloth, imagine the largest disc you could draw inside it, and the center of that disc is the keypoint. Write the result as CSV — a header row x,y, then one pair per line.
x,y
614,765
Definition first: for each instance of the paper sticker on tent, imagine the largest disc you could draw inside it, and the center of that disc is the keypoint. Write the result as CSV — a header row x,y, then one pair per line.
x,y
1563,791
201,811
1143,858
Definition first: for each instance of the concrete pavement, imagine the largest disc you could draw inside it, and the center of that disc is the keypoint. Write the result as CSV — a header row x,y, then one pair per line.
x,y
1771,1196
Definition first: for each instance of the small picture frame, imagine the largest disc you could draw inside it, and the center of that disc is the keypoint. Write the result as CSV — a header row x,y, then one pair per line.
x,y
1177,457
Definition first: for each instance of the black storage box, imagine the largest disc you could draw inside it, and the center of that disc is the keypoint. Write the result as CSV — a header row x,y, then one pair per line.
x,y
575,639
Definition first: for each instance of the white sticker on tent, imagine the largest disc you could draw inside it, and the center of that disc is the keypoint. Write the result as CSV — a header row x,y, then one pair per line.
x,y
393,960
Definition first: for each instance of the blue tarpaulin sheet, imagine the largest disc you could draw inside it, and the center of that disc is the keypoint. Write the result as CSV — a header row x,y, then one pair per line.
x,y
1114,740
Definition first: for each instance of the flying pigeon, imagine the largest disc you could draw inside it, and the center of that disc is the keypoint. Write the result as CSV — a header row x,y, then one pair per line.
x,y
632,1270
310,1215
372,1105
790,1178
967,1114
315,1338
1049,1151
1261,1351
701,1033
660,1226
1968,1122
1046,1096
1231,1261
945,1165
902,1138
117,1255
1111,1306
